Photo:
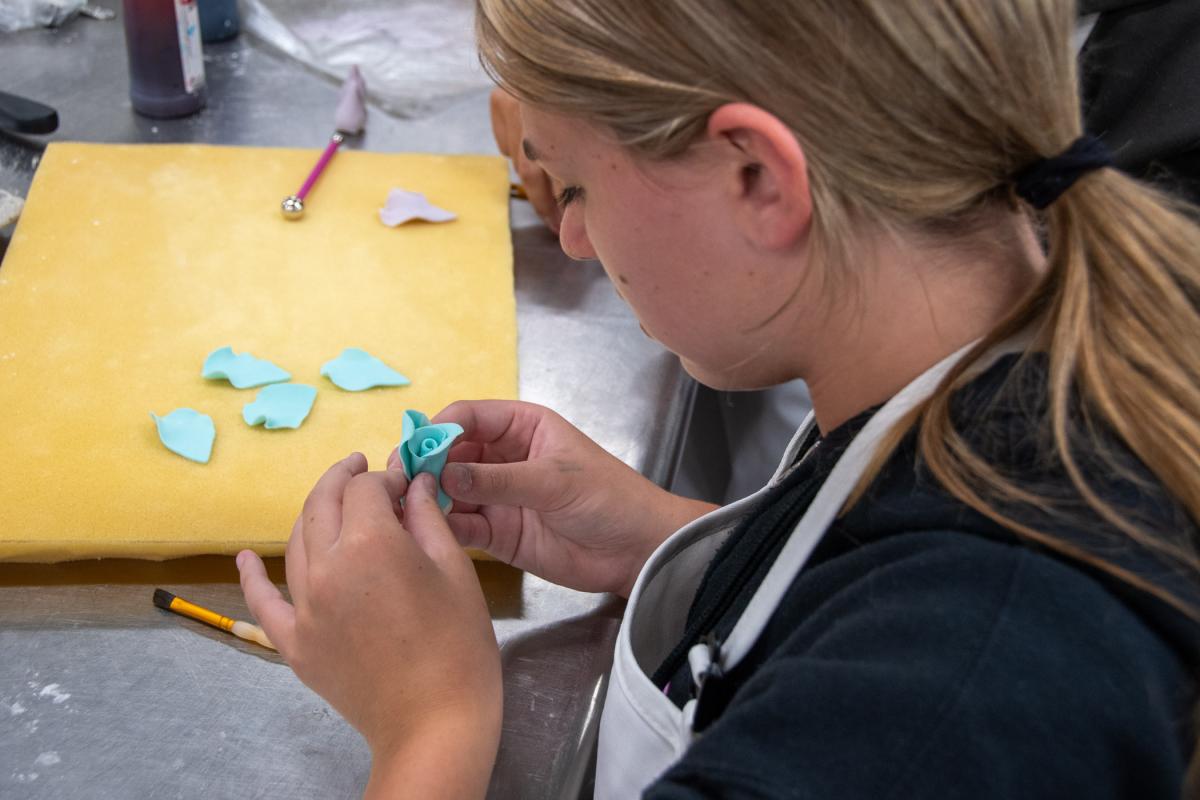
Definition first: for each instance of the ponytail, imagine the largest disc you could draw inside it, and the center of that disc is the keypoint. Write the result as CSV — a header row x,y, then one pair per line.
x,y
1116,316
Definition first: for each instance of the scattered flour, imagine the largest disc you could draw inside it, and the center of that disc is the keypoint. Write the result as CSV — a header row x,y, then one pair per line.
x,y
16,708
10,208
25,777
47,759
52,691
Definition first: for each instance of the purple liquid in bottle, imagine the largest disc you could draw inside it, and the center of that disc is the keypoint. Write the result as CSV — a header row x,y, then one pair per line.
x,y
166,64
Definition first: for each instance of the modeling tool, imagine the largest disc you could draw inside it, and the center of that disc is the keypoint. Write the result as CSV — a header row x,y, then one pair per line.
x,y
349,120
244,630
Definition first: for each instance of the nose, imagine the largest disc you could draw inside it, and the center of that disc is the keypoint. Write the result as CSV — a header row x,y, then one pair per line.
x,y
573,237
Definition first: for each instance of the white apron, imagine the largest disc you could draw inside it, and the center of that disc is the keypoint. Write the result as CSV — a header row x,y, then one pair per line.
x,y
642,733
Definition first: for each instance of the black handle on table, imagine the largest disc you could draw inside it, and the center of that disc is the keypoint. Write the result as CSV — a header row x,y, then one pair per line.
x,y
26,116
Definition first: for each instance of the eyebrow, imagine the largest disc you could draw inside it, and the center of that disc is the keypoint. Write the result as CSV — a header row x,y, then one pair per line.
x,y
530,151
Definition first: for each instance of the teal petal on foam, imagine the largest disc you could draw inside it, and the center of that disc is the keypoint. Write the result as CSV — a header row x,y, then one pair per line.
x,y
280,405
424,447
356,370
188,433
242,370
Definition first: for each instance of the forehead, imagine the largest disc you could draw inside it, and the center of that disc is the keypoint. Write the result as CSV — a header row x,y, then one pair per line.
x,y
570,149
550,137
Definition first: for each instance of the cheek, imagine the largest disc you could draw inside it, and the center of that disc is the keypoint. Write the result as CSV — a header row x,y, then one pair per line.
x,y
653,255
619,239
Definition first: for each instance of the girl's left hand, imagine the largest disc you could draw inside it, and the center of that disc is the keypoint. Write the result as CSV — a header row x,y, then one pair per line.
x,y
389,624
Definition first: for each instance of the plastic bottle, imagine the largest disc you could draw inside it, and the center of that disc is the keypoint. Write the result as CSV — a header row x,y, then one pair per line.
x,y
218,20
166,62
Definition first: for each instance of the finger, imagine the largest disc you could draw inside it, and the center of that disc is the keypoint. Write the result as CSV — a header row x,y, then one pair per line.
x,y
471,530
393,460
496,531
501,108
465,451
504,427
275,615
295,564
321,518
423,518
537,485
462,506
539,190
372,502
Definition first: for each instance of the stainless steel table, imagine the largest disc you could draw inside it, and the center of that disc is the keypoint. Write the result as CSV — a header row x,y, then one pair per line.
x,y
104,696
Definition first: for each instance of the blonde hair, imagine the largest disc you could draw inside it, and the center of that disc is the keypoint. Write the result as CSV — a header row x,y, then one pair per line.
x,y
916,114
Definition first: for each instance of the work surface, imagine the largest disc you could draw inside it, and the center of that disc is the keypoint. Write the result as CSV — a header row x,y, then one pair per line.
x,y
102,221
104,696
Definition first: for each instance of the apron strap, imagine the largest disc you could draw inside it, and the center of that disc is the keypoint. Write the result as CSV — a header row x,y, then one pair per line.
x,y
788,462
709,658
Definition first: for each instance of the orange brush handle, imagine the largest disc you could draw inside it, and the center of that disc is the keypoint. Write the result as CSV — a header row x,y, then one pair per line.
x,y
194,611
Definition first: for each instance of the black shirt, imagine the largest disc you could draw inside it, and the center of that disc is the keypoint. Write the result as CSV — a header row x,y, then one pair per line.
x,y
1140,75
926,651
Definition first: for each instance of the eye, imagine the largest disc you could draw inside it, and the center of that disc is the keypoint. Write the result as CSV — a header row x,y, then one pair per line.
x,y
568,195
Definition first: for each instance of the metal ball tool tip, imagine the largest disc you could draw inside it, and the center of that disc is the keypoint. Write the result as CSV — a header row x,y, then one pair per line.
x,y
292,207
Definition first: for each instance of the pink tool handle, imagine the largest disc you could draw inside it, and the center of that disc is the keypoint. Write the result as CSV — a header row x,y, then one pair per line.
x,y
330,149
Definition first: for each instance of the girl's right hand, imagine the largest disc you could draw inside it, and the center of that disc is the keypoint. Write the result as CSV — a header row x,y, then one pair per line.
x,y
533,491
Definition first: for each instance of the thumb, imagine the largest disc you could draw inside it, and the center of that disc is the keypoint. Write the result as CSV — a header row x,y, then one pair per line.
x,y
526,484
423,518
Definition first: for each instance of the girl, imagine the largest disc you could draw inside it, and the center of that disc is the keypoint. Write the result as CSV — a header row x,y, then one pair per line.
x,y
974,574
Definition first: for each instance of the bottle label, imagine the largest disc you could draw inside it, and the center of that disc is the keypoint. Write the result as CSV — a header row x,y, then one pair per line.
x,y
187,19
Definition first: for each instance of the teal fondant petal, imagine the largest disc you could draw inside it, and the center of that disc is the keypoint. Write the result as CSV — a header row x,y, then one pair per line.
x,y
356,370
280,405
187,432
424,447
409,422
242,370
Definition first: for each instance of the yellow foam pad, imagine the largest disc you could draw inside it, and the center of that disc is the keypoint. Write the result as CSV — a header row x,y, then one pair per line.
x,y
131,263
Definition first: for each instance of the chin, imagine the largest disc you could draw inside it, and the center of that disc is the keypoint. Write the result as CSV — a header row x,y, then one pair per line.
x,y
724,380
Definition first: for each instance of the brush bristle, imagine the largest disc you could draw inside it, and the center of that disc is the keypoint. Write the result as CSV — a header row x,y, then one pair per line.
x,y
163,599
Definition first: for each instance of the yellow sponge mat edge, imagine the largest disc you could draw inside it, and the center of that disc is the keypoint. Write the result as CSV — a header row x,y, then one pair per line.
x,y
132,262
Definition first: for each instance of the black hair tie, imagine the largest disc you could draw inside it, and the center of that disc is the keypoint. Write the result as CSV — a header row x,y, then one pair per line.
x,y
1045,180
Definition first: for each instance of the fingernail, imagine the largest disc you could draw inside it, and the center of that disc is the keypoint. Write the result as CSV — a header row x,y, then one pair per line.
x,y
459,475
241,557
426,483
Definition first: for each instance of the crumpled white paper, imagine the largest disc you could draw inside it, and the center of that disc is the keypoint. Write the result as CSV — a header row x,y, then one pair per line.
x,y
417,56
19,15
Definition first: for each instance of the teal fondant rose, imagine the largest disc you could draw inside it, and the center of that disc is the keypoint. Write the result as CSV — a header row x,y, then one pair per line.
x,y
424,447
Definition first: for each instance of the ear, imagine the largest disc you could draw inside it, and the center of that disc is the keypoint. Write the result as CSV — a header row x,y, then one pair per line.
x,y
768,174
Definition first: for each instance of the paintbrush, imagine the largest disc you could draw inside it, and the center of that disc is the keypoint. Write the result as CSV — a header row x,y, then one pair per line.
x,y
245,630
348,120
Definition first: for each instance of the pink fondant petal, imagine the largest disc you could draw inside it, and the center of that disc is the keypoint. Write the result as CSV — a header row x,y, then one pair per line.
x,y
404,206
